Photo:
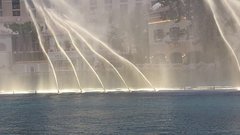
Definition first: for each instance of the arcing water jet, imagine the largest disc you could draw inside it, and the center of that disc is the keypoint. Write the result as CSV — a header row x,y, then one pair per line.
x,y
61,49
41,43
73,24
213,9
74,44
84,40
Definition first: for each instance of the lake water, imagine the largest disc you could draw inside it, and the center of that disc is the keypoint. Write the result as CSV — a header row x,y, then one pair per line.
x,y
164,113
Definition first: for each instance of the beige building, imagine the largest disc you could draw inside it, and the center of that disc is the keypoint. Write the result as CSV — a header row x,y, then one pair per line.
x,y
11,8
99,16
5,51
105,7
171,42
14,11
96,13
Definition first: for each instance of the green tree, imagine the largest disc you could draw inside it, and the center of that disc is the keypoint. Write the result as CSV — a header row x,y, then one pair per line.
x,y
130,31
138,31
27,32
194,10
201,16
116,39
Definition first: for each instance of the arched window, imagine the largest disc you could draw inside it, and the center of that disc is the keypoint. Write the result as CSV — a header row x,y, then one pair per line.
x,y
176,57
158,34
174,32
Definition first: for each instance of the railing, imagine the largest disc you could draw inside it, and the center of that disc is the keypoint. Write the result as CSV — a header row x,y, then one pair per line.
x,y
158,66
59,55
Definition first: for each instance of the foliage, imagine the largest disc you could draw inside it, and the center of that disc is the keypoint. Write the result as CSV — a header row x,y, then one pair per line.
x,y
130,31
195,11
182,8
174,7
28,37
24,29
115,39
139,33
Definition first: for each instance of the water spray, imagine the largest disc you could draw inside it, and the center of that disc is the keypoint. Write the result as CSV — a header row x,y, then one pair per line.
x,y
54,16
59,46
74,44
114,53
104,44
211,4
233,13
41,43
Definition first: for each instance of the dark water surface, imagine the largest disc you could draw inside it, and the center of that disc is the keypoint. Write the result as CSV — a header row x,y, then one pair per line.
x,y
164,113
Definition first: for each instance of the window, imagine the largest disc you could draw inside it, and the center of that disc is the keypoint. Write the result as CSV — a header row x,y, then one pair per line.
x,y
0,4
189,31
158,34
123,0
31,4
174,33
15,4
93,2
108,1
16,13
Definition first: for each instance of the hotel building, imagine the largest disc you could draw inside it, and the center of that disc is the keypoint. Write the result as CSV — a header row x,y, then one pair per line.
x,y
21,56
169,42
18,56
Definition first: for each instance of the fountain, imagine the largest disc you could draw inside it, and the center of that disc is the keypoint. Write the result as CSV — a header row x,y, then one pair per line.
x,y
218,20
67,23
83,75
172,69
41,44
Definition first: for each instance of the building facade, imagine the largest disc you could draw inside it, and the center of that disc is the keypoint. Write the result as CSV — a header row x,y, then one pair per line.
x,y
100,17
22,53
170,42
